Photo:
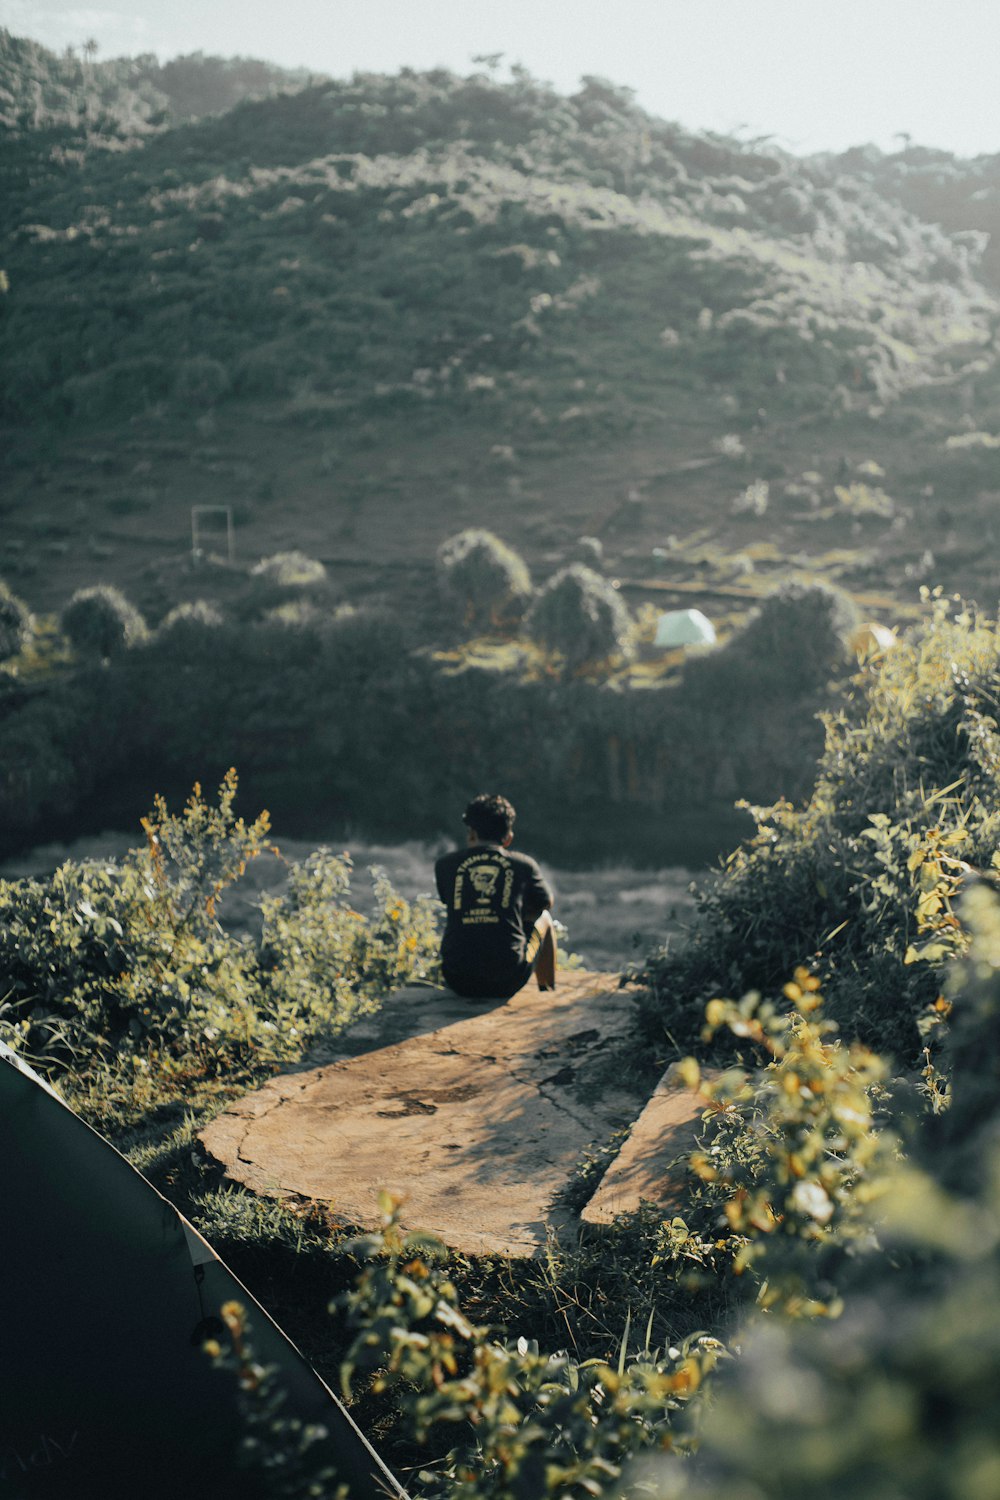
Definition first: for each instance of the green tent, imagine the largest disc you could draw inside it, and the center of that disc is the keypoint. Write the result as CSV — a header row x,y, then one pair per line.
x,y
108,1296
684,627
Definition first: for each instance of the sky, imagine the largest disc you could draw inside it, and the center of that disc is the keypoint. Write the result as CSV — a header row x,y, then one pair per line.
x,y
814,75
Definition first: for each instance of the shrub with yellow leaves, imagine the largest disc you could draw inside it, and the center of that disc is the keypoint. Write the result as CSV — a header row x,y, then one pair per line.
x,y
791,1155
860,883
897,1397
122,977
496,1418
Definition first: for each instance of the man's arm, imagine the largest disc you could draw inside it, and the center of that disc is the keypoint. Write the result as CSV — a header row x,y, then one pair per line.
x,y
537,896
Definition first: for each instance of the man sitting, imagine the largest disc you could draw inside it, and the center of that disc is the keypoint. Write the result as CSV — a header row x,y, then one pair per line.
x,y
498,930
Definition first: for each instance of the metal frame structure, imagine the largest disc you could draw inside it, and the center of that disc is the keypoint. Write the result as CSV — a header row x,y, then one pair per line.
x,y
198,513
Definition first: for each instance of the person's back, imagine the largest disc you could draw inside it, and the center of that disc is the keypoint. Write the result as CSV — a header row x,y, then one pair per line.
x,y
498,930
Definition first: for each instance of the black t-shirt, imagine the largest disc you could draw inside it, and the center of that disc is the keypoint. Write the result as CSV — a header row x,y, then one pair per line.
x,y
492,896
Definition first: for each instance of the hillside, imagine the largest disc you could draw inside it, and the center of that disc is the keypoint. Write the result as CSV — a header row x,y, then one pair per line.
x,y
125,97
369,312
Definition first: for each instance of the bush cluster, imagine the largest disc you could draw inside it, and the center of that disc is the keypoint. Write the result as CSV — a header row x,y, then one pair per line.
x,y
860,882
576,614
123,975
309,697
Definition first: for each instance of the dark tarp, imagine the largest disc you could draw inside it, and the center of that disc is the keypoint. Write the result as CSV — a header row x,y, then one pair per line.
x,y
105,1390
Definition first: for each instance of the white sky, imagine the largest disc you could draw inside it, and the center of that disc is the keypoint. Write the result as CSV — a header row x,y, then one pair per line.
x,y
815,74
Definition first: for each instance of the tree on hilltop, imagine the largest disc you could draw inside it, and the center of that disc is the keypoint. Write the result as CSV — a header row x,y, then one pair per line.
x,y
485,578
581,615
801,632
100,622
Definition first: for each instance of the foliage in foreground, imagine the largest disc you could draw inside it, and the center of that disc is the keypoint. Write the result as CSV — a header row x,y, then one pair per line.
x,y
886,1387
860,883
516,1422
898,1397
791,1157
124,975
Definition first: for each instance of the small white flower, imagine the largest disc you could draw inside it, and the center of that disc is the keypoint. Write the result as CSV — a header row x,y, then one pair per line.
x,y
809,1198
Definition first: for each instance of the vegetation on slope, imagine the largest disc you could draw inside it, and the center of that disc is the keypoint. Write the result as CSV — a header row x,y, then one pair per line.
x,y
426,237
860,882
371,312
390,733
105,103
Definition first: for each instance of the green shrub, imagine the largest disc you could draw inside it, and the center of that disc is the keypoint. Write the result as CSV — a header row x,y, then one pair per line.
x,y
581,616
860,883
307,955
793,643
15,623
123,973
503,1419
193,615
897,1396
290,570
100,622
484,578
788,1157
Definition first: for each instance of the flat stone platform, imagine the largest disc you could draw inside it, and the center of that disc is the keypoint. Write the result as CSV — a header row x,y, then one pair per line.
x,y
646,1168
478,1114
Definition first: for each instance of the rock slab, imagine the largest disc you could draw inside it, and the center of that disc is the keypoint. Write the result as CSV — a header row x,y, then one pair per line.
x,y
477,1115
647,1168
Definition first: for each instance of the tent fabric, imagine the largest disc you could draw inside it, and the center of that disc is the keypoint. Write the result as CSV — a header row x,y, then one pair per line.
x,y
684,627
105,1389
872,638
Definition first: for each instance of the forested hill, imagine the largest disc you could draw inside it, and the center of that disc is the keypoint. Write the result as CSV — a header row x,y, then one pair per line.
x,y
962,195
427,296
126,96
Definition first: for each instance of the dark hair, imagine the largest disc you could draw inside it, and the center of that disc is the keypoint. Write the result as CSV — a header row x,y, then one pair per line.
x,y
490,818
